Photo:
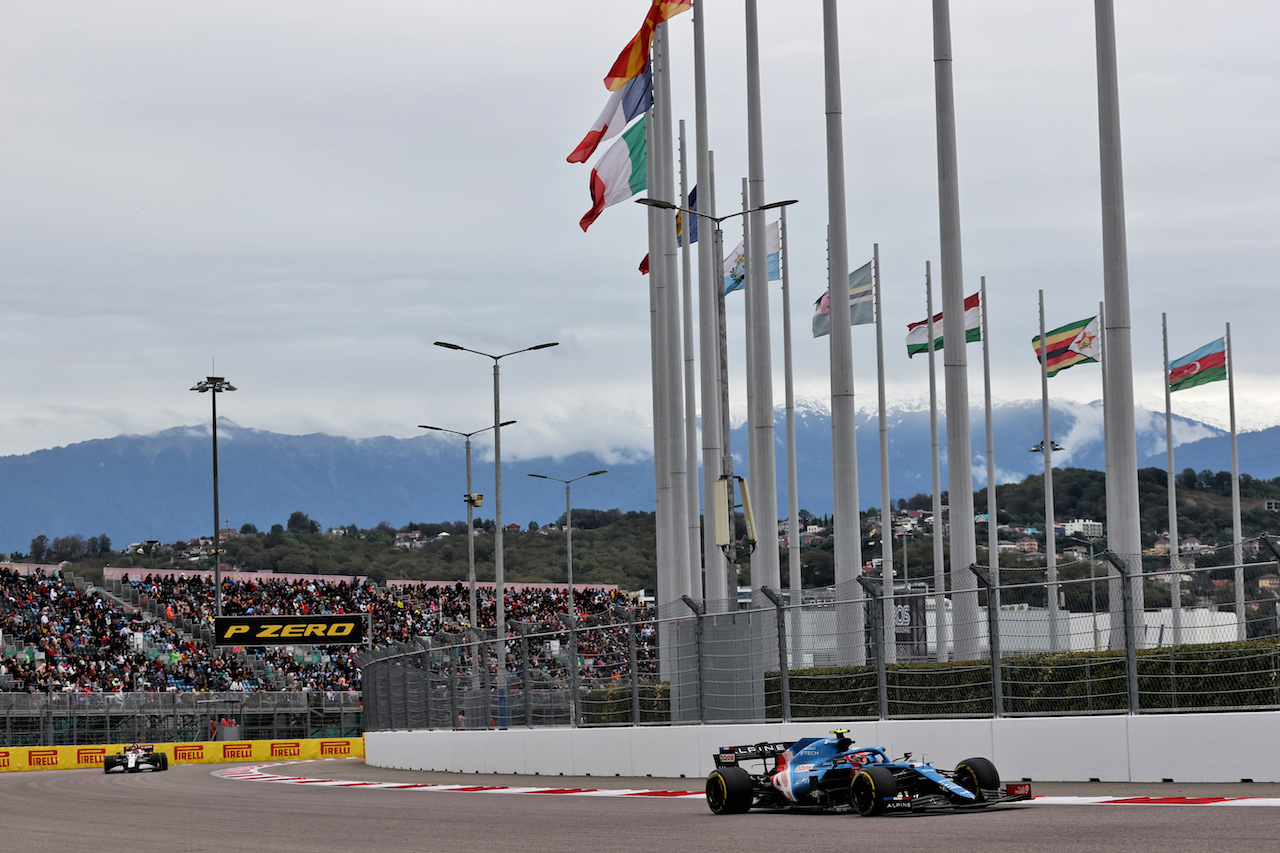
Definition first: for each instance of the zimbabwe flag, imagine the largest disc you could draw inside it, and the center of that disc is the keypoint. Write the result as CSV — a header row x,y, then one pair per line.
x,y
1069,345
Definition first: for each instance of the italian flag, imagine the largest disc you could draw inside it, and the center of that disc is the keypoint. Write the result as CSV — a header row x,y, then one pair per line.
x,y
918,333
1207,364
619,174
1069,345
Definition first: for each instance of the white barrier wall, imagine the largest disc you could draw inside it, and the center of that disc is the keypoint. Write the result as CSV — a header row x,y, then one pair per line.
x,y
1148,748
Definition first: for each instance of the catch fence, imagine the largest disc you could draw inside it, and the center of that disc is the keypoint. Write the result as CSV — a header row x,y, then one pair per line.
x,y
73,719
1114,635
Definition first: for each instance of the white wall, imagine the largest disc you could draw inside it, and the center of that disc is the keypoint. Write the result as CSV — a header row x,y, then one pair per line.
x,y
1147,748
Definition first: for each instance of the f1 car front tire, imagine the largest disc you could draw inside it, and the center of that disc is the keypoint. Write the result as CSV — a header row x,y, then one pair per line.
x,y
161,760
871,790
729,791
977,775
109,762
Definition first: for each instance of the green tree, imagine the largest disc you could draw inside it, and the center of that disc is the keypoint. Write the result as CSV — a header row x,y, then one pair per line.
x,y
39,548
300,523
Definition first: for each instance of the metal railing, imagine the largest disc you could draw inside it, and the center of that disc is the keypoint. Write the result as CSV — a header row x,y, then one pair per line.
x,y
70,719
1112,636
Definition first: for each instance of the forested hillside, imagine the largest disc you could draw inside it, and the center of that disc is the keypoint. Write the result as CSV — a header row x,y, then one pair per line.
x,y
614,547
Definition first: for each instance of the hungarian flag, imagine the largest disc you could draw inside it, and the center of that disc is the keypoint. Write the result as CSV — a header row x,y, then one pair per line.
x,y
861,302
635,56
619,174
625,104
1069,345
918,333
1207,364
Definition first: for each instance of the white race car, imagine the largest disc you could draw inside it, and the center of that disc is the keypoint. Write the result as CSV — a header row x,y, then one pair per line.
x,y
135,758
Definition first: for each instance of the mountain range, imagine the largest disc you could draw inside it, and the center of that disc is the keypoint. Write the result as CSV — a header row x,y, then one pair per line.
x,y
159,486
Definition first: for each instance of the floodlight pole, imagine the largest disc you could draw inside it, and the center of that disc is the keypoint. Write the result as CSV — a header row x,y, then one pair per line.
x,y
472,501
498,580
215,385
727,462
568,527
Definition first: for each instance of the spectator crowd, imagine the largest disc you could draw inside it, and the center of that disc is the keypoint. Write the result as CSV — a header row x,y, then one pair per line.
x,y
57,637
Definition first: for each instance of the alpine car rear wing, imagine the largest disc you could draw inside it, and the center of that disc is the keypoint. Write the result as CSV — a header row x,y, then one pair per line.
x,y
731,756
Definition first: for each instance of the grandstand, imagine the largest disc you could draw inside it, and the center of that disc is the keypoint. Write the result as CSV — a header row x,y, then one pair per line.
x,y
152,631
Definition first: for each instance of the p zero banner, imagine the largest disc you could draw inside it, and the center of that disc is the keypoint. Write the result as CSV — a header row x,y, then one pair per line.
x,y
17,758
347,629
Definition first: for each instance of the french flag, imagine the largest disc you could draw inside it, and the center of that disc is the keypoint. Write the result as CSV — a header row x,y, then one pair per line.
x,y
625,104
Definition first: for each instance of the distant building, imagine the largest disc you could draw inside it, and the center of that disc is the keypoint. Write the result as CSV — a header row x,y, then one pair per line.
x,y
1084,528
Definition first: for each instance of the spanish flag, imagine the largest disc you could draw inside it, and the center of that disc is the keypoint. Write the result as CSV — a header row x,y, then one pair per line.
x,y
1069,345
635,56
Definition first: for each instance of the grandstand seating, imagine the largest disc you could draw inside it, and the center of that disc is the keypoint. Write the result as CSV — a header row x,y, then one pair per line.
x,y
152,631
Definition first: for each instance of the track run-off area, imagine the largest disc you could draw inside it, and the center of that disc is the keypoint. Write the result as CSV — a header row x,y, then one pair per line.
x,y
342,805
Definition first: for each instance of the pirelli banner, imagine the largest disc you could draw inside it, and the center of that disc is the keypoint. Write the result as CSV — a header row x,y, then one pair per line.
x,y
17,758
348,629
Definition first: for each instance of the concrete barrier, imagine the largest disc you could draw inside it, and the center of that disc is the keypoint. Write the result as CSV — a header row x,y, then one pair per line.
x,y
1146,748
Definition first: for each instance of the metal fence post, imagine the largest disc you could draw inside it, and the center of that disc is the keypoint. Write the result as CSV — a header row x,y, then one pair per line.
x,y
426,681
523,630
697,633
993,637
877,633
633,661
783,675
452,685
574,699
1130,644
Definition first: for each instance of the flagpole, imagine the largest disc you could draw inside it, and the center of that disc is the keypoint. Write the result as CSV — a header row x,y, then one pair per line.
x,y
993,524
1050,534
671,318
964,585
1115,631
664,592
764,561
1237,540
935,460
748,312
1124,534
692,516
710,328
793,493
886,511
844,449
728,579
1175,563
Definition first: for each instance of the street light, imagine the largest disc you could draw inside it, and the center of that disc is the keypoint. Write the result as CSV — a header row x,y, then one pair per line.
x,y
1093,582
568,525
472,501
215,385
1046,447
501,620
766,482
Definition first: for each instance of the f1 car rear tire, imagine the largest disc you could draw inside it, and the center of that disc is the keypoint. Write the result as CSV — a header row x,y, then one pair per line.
x,y
977,775
729,791
871,790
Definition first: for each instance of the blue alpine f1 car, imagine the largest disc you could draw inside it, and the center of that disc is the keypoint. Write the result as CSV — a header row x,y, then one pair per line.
x,y
830,774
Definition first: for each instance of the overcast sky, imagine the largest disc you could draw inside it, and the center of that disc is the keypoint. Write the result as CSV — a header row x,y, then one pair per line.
x,y
312,192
